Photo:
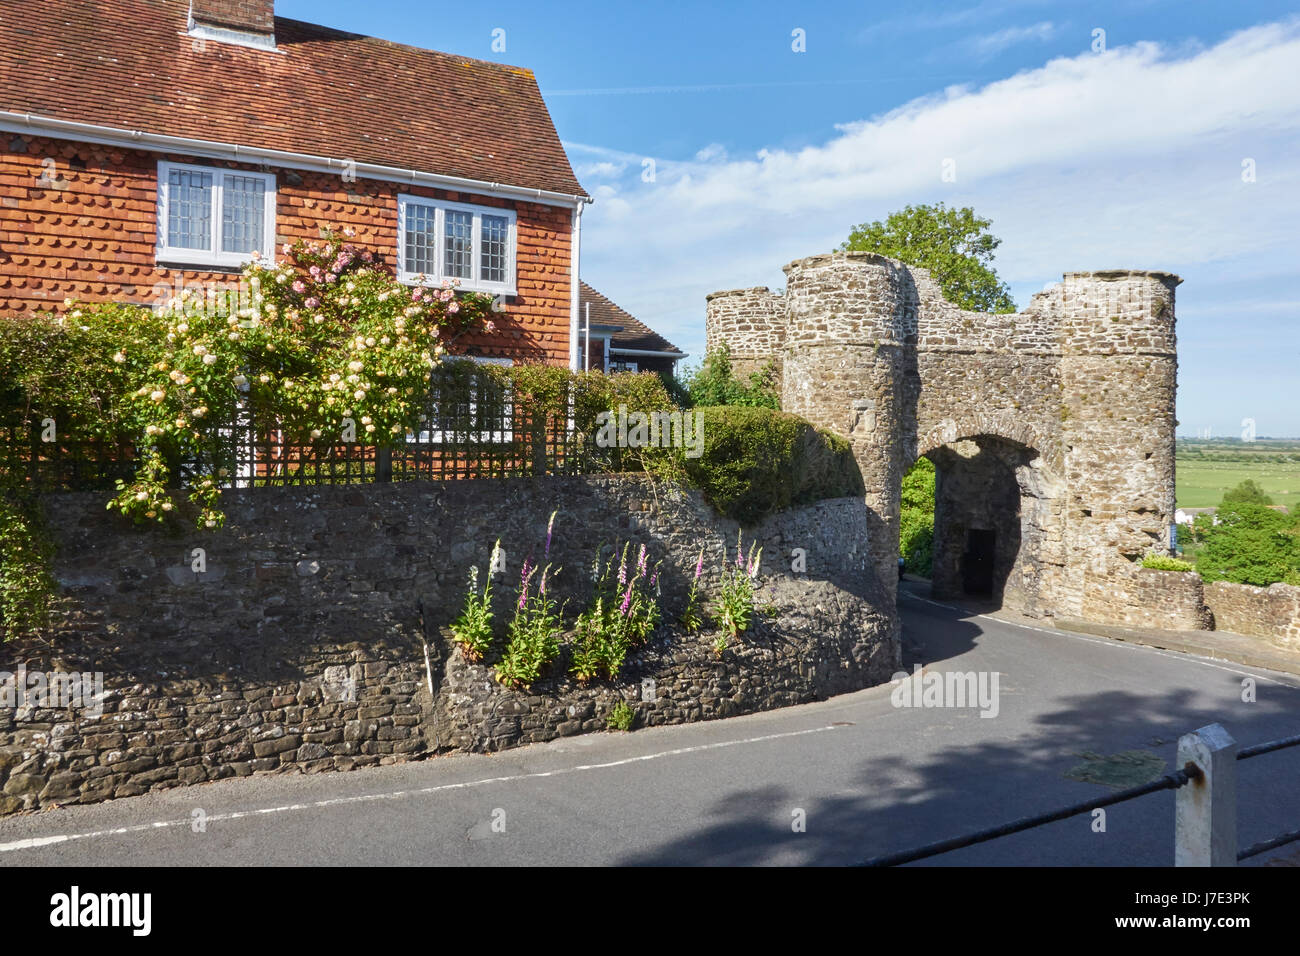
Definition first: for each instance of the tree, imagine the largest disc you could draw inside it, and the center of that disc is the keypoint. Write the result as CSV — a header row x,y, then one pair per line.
x,y
715,383
916,518
954,244
1251,544
1246,493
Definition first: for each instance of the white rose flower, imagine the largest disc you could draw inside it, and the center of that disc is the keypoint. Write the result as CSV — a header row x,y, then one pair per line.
x,y
359,394
157,395
210,359
119,358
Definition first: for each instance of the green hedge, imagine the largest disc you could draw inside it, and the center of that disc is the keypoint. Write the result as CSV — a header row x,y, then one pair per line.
x,y
757,461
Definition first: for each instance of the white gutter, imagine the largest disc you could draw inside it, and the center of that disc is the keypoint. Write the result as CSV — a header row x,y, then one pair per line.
x,y
575,255
586,342
139,139
649,354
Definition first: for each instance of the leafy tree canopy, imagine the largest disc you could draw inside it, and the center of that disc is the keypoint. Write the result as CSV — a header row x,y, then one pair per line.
x,y
1251,544
1246,493
953,244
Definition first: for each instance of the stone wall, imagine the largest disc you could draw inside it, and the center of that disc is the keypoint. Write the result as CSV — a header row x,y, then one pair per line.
x,y
1073,397
1272,612
302,645
1145,597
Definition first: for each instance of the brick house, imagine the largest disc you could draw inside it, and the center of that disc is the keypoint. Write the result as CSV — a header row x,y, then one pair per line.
x,y
153,144
618,341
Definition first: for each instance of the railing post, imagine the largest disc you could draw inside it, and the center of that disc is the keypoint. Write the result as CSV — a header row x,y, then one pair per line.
x,y
1205,813
384,464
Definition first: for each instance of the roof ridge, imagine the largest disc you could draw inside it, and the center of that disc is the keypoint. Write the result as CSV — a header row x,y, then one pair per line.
x,y
517,70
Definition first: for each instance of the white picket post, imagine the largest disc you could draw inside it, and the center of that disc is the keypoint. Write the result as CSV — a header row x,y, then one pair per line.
x,y
1205,814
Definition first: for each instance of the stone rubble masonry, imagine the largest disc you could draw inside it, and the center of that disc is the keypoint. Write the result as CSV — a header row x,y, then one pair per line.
x,y
1272,612
302,647
1065,411
752,322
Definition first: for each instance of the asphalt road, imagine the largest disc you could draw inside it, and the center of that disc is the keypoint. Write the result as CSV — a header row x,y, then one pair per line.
x,y
863,776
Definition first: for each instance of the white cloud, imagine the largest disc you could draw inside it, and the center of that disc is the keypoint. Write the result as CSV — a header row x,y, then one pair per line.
x,y
714,152
600,170
991,44
1128,158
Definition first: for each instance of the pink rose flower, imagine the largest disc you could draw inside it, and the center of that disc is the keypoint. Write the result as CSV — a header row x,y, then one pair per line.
x,y
298,286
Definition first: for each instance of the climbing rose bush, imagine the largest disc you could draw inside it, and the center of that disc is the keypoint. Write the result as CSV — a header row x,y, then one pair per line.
x,y
322,344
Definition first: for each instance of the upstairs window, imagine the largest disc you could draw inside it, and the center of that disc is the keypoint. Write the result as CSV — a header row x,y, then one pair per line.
x,y
440,240
214,217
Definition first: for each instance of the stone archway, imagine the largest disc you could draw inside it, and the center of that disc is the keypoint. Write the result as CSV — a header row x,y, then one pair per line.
x,y
998,522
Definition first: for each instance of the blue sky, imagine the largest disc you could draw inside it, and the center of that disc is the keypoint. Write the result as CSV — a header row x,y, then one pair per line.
x,y
1083,159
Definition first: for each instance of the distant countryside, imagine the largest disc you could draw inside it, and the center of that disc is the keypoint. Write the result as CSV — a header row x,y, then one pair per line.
x,y
1209,467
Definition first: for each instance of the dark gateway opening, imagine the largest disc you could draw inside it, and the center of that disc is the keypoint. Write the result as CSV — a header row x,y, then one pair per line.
x,y
977,562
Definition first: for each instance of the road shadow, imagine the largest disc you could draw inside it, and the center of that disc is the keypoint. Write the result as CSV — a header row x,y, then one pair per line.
x,y
899,802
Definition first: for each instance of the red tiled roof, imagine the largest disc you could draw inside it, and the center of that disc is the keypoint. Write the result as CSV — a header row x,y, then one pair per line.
x,y
634,335
130,64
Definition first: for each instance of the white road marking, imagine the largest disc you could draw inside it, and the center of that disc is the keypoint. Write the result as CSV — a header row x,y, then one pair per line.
x,y
37,842
1115,643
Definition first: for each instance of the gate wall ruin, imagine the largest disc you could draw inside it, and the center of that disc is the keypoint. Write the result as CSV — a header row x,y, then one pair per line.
x,y
1074,396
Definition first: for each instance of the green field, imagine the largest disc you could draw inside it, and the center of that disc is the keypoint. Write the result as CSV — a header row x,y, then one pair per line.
x,y
1206,469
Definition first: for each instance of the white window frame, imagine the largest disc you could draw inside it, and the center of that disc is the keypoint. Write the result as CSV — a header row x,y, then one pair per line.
x,y
500,437
624,365
440,207
212,256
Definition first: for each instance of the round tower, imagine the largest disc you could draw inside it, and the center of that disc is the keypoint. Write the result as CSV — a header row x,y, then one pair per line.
x,y
1119,369
845,370
752,324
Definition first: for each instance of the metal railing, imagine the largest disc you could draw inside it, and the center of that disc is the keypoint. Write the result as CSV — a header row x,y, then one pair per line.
x,y
1205,814
466,430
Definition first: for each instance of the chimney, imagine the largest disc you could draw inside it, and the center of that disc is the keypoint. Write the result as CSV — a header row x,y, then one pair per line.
x,y
239,21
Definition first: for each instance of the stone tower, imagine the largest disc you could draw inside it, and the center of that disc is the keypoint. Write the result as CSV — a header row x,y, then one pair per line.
x,y
1119,367
752,323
